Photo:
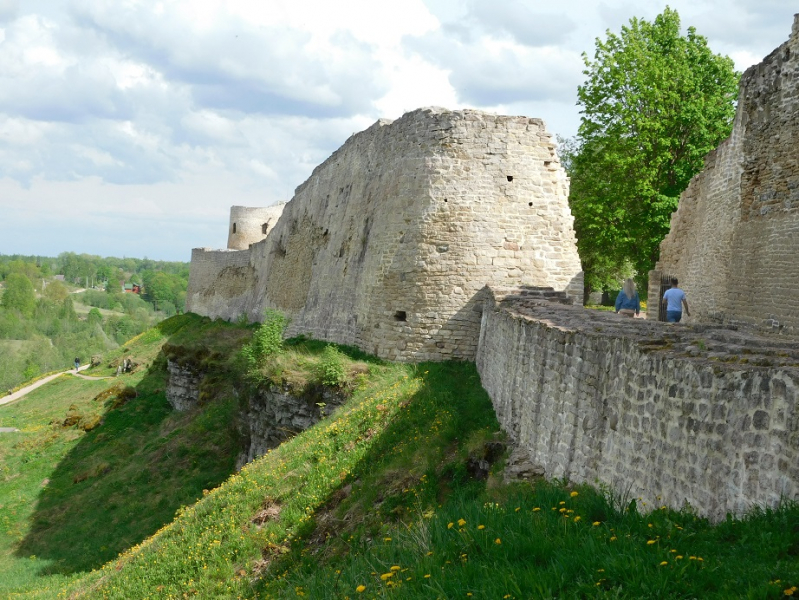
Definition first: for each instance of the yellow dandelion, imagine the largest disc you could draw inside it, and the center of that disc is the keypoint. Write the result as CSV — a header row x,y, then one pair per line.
x,y
518,508
386,576
561,503
788,592
360,589
577,518
664,563
450,525
430,553
563,510
574,494
427,576
481,527
678,557
386,539
650,542
596,523
461,522
613,539
497,541
395,568
536,509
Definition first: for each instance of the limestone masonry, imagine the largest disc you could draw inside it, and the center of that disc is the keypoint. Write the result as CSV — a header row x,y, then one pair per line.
x,y
389,243
734,239
448,235
671,414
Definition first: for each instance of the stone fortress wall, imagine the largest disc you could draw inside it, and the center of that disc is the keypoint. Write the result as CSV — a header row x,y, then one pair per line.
x,y
249,225
670,414
410,240
734,239
389,243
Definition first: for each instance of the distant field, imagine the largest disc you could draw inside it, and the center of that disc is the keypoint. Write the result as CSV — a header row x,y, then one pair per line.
x,y
83,310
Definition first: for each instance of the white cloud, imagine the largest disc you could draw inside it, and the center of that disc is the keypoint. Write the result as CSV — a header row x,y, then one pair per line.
x,y
156,116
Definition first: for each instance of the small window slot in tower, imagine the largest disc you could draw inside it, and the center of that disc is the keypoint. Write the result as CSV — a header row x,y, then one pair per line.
x,y
510,177
400,315
234,228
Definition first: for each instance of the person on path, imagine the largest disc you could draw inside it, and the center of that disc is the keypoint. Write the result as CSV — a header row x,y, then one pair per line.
x,y
674,299
627,302
77,364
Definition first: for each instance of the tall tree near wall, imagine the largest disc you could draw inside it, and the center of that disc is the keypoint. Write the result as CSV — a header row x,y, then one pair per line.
x,y
654,103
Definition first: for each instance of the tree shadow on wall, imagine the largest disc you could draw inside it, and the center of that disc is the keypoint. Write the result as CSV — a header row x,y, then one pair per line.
x,y
126,478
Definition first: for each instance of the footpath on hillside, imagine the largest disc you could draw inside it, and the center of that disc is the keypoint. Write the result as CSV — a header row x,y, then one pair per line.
x,y
28,388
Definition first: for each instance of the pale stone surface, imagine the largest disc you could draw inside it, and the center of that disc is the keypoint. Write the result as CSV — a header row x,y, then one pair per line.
x,y
249,225
183,386
389,243
734,238
672,414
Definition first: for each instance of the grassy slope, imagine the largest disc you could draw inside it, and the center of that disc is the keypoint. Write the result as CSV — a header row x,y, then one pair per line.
x,y
377,500
75,499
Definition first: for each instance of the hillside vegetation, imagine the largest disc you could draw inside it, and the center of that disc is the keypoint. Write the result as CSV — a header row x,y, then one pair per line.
x,y
399,493
47,318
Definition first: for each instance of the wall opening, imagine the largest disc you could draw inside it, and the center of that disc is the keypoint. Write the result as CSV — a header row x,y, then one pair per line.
x,y
401,315
264,227
529,204
510,177
234,228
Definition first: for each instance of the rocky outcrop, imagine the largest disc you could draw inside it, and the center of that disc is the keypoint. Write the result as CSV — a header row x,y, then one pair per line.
x,y
183,385
276,413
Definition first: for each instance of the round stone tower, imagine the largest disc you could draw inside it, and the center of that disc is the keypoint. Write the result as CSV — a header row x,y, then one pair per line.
x,y
250,225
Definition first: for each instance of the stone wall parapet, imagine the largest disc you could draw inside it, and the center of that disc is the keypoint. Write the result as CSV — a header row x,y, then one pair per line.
x,y
671,414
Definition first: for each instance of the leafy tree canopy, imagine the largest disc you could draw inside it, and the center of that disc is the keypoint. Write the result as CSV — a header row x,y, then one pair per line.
x,y
19,294
654,103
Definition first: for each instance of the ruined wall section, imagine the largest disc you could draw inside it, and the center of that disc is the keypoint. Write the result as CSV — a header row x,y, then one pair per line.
x,y
389,242
249,225
645,408
735,234
221,282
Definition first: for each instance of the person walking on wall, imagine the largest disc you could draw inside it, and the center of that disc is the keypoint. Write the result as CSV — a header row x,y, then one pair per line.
x,y
627,302
674,299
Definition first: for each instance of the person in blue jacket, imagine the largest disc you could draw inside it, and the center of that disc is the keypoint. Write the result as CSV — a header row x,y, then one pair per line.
x,y
674,299
627,302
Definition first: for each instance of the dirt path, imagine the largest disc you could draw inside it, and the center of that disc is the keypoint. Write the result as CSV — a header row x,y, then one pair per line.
x,y
22,391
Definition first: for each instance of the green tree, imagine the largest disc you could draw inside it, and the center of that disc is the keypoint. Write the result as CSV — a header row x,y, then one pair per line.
x,y
654,104
56,292
19,294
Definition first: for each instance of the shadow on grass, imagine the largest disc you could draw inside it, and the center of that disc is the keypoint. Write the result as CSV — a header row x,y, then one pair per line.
x,y
126,478
431,435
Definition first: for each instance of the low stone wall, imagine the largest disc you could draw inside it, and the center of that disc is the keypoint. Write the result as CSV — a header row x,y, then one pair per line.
x,y
671,414
220,282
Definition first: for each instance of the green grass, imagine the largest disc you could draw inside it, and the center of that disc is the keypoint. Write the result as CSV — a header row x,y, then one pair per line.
x,y
74,499
378,497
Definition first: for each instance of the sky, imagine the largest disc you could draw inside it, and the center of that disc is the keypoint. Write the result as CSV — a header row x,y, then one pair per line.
x,y
129,128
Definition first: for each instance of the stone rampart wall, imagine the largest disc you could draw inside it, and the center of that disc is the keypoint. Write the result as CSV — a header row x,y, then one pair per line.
x,y
735,235
653,410
220,282
389,242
